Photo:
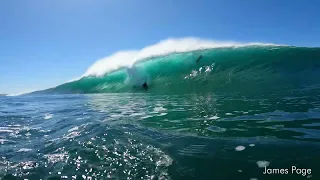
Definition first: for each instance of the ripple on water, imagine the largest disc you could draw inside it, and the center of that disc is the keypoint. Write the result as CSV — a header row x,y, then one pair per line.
x,y
6,141
71,135
159,109
146,117
263,164
47,116
240,148
162,114
193,150
214,117
6,131
58,157
216,129
24,150
76,128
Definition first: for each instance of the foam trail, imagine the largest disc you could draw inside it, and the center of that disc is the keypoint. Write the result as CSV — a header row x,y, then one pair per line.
x,y
172,45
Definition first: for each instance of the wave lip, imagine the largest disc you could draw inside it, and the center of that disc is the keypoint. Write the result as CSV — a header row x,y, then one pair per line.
x,y
172,45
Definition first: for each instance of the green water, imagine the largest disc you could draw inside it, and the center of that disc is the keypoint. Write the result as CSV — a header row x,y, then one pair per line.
x,y
235,69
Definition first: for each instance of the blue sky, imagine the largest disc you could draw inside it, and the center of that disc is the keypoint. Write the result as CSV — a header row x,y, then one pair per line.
x,y
45,43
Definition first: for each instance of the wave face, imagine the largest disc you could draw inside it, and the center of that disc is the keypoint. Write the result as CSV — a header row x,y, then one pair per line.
x,y
237,68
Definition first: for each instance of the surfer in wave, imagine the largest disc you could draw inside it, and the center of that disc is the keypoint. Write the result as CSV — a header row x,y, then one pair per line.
x,y
200,57
145,86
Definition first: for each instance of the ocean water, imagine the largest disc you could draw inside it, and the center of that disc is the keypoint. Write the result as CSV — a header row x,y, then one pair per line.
x,y
236,111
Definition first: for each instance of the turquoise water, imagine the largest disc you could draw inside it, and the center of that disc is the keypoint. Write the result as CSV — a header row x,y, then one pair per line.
x,y
227,117
233,69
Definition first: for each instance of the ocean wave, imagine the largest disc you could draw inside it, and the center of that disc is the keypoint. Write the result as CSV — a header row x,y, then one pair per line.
x,y
171,66
165,47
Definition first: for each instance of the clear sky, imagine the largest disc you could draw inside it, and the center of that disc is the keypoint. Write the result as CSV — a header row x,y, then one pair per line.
x,y
45,43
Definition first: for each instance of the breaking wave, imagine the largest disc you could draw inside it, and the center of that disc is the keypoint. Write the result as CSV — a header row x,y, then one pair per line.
x,y
171,66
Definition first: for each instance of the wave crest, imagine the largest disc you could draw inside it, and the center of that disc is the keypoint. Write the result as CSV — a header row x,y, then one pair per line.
x,y
172,45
